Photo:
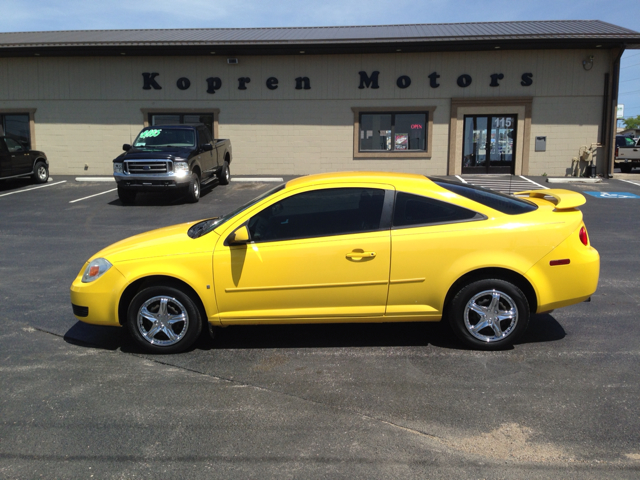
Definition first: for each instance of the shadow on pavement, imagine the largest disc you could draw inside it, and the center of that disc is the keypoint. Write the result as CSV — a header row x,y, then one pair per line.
x,y
542,328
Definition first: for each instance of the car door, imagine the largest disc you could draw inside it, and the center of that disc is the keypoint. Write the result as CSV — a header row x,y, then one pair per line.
x,y
5,159
316,255
20,159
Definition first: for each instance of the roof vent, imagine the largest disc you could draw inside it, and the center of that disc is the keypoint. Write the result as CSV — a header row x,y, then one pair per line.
x,y
232,61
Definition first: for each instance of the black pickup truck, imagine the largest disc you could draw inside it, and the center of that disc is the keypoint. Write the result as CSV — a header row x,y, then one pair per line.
x,y
170,158
18,160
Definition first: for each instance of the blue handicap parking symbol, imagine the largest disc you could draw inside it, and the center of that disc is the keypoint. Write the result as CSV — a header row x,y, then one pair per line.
x,y
613,194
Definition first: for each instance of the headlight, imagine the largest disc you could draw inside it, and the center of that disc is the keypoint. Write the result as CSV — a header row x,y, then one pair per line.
x,y
181,169
117,168
95,269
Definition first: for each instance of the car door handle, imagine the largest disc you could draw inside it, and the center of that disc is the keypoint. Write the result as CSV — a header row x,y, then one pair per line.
x,y
361,255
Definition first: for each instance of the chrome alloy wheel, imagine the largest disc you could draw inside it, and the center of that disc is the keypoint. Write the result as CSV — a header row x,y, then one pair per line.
x,y
490,316
162,320
42,172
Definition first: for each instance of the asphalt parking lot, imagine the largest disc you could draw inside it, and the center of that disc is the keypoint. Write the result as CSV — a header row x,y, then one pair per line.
x,y
304,401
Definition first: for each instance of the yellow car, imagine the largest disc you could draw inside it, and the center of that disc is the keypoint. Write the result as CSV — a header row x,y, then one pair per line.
x,y
349,247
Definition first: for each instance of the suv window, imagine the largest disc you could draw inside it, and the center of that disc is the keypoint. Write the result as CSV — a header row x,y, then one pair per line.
x,y
334,211
416,210
13,146
498,201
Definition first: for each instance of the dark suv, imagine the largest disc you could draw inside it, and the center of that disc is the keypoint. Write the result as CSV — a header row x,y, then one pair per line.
x,y
166,158
18,160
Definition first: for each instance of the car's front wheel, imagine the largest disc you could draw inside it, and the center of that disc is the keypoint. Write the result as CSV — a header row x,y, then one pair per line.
x,y
40,172
164,319
489,314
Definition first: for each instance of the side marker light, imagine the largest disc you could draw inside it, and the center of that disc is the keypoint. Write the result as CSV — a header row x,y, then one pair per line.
x,y
564,261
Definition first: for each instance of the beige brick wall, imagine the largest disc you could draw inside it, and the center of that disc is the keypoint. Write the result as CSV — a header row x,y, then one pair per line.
x,y
86,108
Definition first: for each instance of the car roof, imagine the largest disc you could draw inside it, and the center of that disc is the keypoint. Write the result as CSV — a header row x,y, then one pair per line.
x,y
367,177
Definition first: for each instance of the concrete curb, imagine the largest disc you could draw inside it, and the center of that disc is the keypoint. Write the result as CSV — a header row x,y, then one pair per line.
x,y
574,180
95,179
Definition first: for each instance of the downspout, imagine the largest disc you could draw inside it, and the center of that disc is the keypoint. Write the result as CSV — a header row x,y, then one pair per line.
x,y
612,115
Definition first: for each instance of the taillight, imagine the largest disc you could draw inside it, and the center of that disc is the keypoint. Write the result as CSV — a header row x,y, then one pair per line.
x,y
616,151
583,236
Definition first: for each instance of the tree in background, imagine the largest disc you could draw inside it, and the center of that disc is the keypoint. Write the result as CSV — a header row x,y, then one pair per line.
x,y
631,122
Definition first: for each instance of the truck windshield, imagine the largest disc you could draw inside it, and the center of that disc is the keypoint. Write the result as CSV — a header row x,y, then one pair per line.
x,y
165,137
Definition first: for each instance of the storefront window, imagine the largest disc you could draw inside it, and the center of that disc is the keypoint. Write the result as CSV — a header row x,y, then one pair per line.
x,y
16,126
393,132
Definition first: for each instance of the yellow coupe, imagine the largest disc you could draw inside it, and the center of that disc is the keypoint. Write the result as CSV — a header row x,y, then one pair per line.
x,y
349,247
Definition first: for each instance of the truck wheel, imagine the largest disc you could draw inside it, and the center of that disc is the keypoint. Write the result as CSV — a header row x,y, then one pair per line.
x,y
625,167
40,172
127,197
193,192
224,175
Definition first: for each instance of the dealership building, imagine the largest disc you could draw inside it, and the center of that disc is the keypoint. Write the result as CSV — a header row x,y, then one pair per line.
x,y
526,98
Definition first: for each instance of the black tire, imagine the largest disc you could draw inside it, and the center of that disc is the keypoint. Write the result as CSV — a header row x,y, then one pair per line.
x,y
40,172
478,303
164,320
127,197
224,175
193,191
625,167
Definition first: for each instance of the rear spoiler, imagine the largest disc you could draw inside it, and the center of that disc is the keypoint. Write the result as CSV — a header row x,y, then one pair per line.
x,y
564,199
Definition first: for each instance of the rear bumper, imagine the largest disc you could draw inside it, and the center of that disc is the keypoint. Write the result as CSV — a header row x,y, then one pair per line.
x,y
562,285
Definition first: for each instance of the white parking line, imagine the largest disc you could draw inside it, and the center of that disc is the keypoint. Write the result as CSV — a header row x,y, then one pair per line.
x,y
33,188
630,181
461,179
537,184
95,195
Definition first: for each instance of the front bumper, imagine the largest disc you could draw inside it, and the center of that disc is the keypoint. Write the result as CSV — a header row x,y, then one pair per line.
x,y
154,181
97,302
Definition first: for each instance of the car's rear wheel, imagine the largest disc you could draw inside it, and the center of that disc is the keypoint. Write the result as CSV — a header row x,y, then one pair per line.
x,y
127,197
40,172
625,168
489,314
164,320
193,191
224,175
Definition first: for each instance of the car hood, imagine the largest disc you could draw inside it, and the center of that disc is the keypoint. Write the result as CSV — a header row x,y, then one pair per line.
x,y
172,240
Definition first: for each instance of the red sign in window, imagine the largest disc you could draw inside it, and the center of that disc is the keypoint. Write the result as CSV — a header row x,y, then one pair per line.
x,y
416,126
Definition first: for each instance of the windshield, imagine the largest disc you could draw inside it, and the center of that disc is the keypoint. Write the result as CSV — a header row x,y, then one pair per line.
x,y
206,226
165,137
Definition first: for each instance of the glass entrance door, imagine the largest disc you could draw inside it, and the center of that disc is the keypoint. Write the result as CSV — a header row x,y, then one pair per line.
x,y
489,144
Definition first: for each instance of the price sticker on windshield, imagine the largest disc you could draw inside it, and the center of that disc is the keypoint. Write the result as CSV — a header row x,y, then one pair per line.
x,y
150,133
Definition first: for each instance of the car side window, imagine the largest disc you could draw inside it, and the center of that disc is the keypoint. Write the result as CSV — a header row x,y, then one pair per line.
x,y
630,142
412,210
13,146
334,211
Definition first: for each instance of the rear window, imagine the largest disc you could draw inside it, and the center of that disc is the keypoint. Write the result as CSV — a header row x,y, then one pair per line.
x,y
501,202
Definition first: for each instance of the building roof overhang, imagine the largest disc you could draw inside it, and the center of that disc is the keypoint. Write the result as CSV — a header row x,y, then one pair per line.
x,y
558,34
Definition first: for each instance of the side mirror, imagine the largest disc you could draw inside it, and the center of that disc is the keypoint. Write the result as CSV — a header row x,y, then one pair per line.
x,y
126,147
239,237
207,147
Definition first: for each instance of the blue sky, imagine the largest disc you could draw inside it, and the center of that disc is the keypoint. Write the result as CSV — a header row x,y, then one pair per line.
x,y
39,15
